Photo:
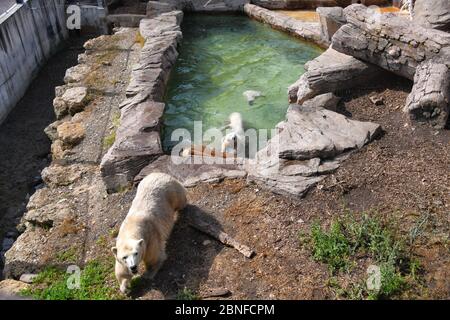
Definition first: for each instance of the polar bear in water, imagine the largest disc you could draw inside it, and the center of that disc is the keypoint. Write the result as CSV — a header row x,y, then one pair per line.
x,y
147,226
234,141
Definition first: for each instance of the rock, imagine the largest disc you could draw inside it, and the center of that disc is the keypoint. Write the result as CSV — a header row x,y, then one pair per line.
x,y
137,140
71,133
50,214
389,41
206,242
251,95
312,142
72,101
432,14
58,150
77,73
327,101
378,101
308,31
137,144
10,289
331,19
404,48
429,99
192,171
332,71
51,130
28,277
58,175
60,107
75,99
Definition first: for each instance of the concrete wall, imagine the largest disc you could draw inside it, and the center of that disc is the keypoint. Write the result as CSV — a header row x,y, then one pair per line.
x,y
29,35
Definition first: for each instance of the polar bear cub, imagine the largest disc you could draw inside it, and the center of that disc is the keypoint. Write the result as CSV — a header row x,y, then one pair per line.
x,y
147,226
234,141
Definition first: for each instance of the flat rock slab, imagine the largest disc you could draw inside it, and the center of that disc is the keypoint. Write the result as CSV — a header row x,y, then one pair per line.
x,y
312,142
309,31
332,71
191,171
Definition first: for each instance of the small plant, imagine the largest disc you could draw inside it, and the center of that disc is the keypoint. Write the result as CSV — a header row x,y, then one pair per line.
x,y
332,248
52,284
109,140
347,237
187,294
70,255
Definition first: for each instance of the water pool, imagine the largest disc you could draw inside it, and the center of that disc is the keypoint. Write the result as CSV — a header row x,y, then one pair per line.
x,y
221,57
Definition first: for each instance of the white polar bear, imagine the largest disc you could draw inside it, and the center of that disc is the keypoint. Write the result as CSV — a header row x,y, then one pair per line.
x,y
234,141
147,226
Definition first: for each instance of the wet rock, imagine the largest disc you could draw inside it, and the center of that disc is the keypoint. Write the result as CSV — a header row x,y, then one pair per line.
x,y
71,133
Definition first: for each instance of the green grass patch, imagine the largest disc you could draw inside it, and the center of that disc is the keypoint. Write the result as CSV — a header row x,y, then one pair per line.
x,y
347,238
187,294
70,255
109,140
96,283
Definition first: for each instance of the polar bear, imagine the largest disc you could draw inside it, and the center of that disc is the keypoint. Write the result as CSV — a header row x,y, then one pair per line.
x,y
234,142
147,226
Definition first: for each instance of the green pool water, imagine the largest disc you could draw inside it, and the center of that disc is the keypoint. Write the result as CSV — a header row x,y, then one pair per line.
x,y
221,57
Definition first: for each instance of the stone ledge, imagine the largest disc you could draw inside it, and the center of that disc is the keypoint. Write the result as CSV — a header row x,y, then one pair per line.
x,y
138,137
308,31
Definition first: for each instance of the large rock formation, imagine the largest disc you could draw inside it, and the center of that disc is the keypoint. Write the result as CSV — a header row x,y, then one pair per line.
x,y
433,14
331,71
331,19
402,47
311,142
137,140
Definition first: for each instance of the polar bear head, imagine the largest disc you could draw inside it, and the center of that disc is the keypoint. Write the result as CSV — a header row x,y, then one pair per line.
x,y
129,253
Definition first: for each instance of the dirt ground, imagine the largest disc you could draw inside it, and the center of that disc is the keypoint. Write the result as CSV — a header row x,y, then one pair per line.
x,y
403,176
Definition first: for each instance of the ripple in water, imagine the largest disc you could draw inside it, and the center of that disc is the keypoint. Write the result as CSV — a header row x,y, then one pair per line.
x,y
221,57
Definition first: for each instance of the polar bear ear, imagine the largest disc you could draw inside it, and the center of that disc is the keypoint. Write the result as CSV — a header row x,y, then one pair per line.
x,y
114,251
140,242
